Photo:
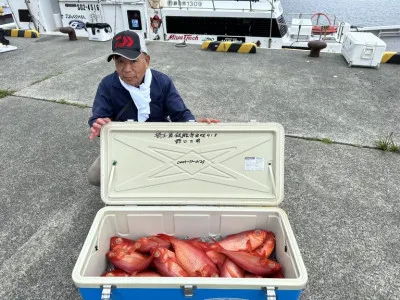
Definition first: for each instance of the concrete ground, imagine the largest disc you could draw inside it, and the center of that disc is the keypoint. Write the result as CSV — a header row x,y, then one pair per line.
x,y
342,199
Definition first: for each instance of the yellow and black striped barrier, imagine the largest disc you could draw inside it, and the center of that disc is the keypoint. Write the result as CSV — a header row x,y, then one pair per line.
x,y
28,33
229,47
391,58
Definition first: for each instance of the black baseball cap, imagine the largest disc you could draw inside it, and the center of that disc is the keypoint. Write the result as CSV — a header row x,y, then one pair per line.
x,y
127,44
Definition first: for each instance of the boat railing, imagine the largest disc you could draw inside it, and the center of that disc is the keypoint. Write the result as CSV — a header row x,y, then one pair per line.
x,y
330,18
322,33
388,33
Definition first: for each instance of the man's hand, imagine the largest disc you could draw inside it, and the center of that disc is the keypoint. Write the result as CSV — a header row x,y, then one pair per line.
x,y
96,127
207,120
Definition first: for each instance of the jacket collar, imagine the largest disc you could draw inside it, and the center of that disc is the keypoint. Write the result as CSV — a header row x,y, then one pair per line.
x,y
115,81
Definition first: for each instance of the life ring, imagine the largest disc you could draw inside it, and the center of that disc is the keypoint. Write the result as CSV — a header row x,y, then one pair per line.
x,y
324,29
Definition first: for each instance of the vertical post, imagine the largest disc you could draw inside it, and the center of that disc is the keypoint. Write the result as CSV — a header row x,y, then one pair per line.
x,y
270,24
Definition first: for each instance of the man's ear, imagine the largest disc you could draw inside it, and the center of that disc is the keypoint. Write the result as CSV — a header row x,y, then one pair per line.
x,y
147,58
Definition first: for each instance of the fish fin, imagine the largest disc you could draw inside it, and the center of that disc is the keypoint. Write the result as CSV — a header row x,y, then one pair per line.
x,y
198,274
216,246
248,246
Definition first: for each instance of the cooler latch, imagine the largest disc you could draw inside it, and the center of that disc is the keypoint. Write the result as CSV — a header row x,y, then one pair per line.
x,y
188,290
106,291
269,293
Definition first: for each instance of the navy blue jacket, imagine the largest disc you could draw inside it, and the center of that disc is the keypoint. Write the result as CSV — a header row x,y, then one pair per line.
x,y
111,98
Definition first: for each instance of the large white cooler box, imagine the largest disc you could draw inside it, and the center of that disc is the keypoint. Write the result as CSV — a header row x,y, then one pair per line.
x,y
363,49
190,180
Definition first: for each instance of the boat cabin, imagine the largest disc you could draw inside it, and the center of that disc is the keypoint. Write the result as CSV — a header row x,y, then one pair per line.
x,y
259,21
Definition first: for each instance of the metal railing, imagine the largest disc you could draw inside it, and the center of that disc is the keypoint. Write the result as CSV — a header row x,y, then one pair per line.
x,y
310,15
323,35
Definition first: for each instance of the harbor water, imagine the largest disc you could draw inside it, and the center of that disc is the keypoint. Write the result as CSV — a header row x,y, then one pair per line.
x,y
355,12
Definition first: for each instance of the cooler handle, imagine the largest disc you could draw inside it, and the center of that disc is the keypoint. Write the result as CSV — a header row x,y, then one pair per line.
x,y
368,52
269,293
106,291
188,290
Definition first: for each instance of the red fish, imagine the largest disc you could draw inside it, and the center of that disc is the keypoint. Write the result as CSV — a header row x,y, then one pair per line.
x,y
145,244
129,262
115,273
231,270
217,258
200,244
252,263
244,241
145,274
119,243
192,259
250,275
268,246
165,262
278,274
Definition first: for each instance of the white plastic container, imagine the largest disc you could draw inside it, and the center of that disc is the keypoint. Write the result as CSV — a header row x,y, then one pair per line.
x,y
99,32
363,49
190,180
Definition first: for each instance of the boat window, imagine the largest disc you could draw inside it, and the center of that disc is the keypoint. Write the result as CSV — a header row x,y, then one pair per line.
x,y
134,20
224,26
24,15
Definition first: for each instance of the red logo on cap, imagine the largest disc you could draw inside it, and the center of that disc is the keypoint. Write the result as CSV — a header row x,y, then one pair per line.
x,y
123,41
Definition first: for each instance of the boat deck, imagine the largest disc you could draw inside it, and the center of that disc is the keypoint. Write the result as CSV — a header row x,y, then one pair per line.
x,y
341,196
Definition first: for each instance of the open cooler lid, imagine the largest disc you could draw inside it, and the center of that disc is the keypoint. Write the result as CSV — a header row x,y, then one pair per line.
x,y
192,163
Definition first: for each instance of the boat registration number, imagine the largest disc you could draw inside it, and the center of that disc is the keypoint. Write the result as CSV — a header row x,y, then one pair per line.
x,y
231,39
88,6
185,3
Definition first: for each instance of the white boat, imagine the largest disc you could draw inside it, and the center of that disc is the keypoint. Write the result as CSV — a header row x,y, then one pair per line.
x,y
261,21
6,17
6,21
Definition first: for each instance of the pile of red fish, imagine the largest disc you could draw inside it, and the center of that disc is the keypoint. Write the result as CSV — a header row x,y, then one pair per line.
x,y
242,255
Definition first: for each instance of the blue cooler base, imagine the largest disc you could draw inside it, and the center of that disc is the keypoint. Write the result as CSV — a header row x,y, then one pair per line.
x,y
199,294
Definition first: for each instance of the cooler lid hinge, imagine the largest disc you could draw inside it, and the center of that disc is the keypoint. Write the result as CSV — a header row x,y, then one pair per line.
x,y
188,290
270,293
106,291
114,163
271,174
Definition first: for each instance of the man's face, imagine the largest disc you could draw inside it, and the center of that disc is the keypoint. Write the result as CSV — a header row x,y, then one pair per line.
x,y
132,71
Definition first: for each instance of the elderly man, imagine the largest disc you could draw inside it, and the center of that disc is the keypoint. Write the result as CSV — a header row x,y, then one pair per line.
x,y
134,92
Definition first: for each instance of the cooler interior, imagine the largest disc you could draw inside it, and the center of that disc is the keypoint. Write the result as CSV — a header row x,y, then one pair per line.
x,y
188,223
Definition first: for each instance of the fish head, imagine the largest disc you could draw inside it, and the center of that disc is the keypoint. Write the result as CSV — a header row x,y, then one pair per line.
x,y
258,236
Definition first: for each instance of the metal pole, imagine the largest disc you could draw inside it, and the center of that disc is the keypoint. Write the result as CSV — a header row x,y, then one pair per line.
x,y
270,25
